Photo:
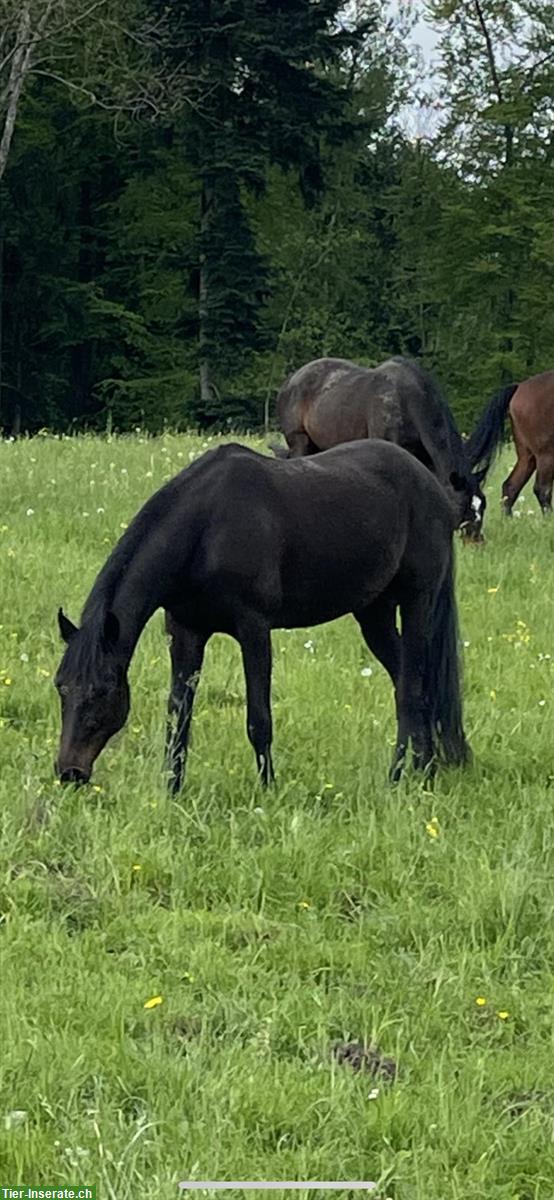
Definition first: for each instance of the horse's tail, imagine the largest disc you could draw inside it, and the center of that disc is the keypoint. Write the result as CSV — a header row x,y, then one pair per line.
x,y
279,451
444,684
485,439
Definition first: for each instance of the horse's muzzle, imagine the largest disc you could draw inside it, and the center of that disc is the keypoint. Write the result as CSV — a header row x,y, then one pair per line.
x,y
471,533
74,775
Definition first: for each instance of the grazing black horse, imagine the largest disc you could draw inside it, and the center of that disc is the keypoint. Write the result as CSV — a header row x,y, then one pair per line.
x,y
332,400
240,543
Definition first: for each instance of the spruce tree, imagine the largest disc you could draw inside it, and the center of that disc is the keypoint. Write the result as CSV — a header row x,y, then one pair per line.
x,y
263,85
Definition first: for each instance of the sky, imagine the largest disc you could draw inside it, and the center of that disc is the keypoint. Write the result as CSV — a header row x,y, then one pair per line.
x,y
425,37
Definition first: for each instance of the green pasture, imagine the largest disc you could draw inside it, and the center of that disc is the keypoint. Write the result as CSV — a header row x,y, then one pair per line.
x,y
269,927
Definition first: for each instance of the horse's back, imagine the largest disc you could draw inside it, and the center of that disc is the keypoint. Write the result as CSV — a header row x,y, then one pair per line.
x,y
307,540
335,400
532,412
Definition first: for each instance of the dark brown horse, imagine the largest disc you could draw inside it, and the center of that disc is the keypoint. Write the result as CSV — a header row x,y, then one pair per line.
x,y
530,407
240,543
331,400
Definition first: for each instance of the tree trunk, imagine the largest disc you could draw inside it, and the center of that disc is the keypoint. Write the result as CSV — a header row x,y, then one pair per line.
x,y
508,297
206,387
1,319
20,64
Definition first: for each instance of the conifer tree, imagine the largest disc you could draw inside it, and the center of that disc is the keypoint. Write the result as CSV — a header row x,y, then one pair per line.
x,y
264,86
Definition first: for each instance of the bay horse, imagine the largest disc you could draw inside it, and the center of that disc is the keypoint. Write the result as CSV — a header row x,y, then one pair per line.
x,y
332,400
241,543
530,408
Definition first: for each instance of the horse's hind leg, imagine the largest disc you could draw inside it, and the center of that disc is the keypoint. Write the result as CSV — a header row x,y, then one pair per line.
x,y
414,704
187,652
255,643
378,626
543,482
520,475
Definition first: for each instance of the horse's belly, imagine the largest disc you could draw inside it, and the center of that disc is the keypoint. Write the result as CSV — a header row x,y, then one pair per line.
x,y
297,613
323,594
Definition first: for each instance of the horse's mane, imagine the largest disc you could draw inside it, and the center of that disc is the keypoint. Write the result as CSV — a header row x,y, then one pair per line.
x,y
87,651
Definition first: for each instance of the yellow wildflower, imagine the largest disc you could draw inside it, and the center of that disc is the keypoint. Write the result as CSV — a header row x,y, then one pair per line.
x,y
492,591
153,1002
432,829
480,1001
304,904
503,1014
7,681
492,694
137,867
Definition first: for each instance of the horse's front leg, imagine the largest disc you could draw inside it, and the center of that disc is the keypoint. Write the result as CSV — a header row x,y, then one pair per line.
x,y
255,643
187,652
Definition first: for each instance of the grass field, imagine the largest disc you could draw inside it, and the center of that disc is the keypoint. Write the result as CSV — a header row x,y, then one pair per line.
x,y
272,925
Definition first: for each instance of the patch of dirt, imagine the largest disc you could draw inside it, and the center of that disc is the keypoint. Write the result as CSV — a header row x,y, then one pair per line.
x,y
186,1028
520,1102
366,1058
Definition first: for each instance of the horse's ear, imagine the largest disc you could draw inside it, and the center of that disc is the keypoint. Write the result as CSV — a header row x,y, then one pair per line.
x,y
66,627
458,482
110,632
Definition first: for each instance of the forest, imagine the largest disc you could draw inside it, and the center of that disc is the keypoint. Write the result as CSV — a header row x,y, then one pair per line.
x,y
196,197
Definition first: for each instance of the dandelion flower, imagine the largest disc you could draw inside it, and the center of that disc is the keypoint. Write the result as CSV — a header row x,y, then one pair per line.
x,y
492,591
153,1002
503,1014
480,1001
304,904
432,830
137,867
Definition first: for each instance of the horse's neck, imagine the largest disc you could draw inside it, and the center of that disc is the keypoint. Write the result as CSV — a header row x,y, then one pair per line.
x,y
136,597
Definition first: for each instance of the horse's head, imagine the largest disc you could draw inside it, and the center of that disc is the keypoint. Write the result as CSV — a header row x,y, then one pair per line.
x,y
94,693
472,508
